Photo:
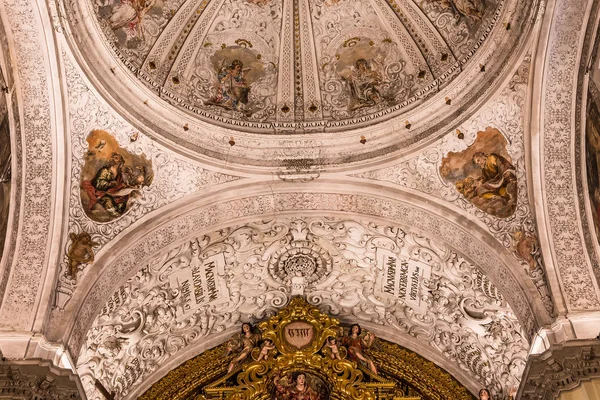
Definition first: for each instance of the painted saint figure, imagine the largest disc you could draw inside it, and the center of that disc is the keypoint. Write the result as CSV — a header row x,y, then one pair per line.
x,y
363,82
298,389
496,174
357,345
110,188
495,190
129,14
242,344
232,88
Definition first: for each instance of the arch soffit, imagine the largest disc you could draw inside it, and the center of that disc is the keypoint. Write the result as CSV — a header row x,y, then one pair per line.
x,y
555,125
124,257
38,134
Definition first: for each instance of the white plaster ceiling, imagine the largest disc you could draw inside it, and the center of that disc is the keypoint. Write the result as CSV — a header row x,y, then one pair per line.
x,y
204,285
197,168
315,76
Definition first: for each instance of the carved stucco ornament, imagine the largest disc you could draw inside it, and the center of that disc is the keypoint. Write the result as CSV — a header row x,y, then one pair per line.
x,y
173,176
502,114
405,374
443,300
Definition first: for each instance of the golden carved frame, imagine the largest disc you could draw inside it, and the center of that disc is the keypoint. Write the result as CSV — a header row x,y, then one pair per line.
x,y
206,377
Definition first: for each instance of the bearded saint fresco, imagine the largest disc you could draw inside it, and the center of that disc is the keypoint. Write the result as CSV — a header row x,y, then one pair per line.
x,y
484,174
371,72
364,83
111,177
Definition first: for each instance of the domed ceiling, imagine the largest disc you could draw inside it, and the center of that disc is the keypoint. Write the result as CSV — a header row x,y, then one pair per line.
x,y
312,64
266,71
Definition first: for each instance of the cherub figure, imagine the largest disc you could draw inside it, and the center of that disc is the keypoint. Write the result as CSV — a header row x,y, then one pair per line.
x,y
265,349
80,251
526,246
332,344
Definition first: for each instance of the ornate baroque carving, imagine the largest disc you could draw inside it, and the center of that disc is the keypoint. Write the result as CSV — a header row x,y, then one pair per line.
x,y
407,367
421,172
462,315
559,368
262,205
37,379
174,176
573,266
30,257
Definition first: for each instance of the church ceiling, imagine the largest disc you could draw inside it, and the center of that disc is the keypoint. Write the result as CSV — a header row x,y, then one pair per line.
x,y
398,282
171,181
255,72
271,189
296,64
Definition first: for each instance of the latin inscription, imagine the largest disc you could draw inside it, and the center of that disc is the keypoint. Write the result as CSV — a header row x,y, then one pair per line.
x,y
402,279
200,284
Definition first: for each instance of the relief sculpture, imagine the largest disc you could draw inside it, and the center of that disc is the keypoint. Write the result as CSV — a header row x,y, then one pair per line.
x,y
484,174
242,344
299,386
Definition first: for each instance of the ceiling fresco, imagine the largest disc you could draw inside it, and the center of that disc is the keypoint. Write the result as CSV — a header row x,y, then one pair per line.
x,y
267,83
388,276
123,171
305,62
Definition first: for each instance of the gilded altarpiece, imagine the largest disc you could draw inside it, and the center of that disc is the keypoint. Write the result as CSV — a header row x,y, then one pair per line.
x,y
297,348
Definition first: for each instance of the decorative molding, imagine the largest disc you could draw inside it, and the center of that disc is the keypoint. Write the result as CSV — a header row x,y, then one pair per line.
x,y
559,165
31,254
421,172
38,379
588,52
561,367
336,264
